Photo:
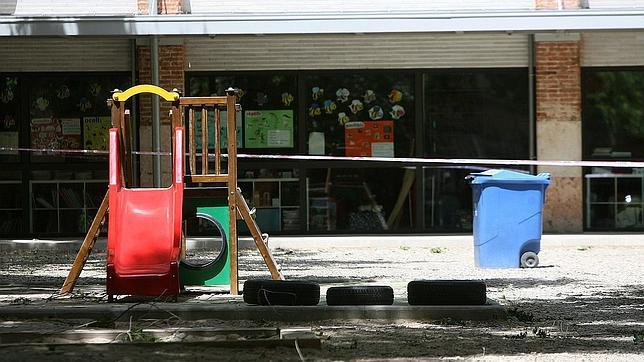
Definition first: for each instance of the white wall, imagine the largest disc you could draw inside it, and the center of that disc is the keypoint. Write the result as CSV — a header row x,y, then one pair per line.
x,y
347,6
615,4
75,7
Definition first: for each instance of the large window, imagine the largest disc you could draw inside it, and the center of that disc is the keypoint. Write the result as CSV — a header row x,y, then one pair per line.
x,y
477,113
340,113
613,114
613,129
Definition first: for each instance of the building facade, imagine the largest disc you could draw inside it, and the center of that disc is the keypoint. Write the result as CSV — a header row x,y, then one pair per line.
x,y
480,79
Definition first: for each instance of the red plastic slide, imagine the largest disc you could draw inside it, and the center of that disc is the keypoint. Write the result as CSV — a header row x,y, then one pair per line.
x,y
144,231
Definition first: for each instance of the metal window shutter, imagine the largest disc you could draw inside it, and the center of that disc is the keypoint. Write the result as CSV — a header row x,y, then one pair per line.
x,y
60,55
354,51
621,48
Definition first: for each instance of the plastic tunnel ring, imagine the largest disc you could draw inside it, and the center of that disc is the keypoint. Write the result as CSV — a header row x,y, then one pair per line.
x,y
222,253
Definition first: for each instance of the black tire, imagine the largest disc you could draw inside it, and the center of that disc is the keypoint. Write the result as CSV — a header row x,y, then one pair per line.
x,y
529,259
446,292
360,295
281,292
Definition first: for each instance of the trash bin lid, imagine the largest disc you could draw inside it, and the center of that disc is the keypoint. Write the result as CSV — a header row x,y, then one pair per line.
x,y
506,176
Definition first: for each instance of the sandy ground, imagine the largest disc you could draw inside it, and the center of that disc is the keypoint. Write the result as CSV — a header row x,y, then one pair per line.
x,y
584,302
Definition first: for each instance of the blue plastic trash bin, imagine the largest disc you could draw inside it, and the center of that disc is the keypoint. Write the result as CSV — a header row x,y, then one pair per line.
x,y
508,210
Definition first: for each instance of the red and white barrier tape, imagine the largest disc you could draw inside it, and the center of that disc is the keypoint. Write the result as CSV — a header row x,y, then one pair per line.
x,y
398,160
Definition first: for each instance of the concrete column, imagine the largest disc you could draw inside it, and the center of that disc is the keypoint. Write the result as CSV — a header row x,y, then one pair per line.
x,y
558,103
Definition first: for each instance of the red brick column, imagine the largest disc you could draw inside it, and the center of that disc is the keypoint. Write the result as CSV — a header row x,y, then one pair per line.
x,y
554,4
558,103
163,6
171,75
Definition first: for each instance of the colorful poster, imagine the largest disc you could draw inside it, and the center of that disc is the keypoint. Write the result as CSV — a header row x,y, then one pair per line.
x,y
369,139
96,132
223,129
46,133
56,133
9,140
269,129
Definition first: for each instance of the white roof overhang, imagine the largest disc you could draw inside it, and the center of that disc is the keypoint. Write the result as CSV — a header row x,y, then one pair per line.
x,y
399,22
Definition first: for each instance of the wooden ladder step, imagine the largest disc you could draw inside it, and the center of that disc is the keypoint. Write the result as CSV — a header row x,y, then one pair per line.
x,y
206,178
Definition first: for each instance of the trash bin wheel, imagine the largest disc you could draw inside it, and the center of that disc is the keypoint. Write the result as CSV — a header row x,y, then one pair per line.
x,y
529,259
360,295
281,292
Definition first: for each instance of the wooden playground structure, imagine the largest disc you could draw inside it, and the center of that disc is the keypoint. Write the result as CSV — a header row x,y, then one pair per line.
x,y
206,181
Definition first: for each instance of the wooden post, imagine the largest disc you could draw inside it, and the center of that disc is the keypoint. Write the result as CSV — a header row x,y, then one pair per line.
x,y
217,138
204,141
117,123
193,141
231,101
126,138
177,121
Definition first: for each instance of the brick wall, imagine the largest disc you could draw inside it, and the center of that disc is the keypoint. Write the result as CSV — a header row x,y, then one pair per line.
x,y
171,75
558,81
558,103
554,4
163,6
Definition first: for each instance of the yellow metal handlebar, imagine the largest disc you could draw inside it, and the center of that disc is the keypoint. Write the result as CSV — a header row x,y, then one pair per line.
x,y
145,88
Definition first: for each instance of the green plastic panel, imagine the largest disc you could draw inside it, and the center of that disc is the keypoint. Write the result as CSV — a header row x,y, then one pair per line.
x,y
219,273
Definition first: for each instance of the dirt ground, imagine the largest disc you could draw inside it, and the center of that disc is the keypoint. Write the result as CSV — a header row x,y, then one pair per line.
x,y
584,302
